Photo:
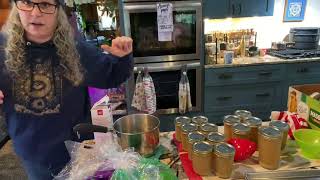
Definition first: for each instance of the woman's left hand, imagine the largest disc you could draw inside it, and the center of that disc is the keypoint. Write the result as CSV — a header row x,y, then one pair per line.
x,y
121,46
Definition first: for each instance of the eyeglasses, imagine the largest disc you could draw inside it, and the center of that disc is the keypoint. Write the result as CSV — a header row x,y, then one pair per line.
x,y
44,7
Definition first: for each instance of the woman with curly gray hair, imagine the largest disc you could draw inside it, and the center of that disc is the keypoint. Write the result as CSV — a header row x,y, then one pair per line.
x,y
44,75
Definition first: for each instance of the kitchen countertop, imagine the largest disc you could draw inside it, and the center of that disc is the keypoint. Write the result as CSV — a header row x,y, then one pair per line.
x,y
251,61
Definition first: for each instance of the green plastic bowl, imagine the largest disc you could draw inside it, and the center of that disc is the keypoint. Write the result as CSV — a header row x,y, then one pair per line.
x,y
309,142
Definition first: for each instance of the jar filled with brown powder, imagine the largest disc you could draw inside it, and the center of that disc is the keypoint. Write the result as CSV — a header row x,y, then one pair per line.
x,y
254,123
223,160
194,137
186,129
202,158
215,137
284,128
199,120
228,122
243,114
240,130
207,128
178,123
269,147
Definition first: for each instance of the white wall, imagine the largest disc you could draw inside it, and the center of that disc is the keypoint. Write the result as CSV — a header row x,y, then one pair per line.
x,y
269,28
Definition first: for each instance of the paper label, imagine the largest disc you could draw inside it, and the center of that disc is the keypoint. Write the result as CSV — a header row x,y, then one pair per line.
x,y
164,17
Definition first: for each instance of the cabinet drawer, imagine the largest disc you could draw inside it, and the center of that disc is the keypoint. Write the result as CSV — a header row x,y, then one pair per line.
x,y
241,75
233,97
303,70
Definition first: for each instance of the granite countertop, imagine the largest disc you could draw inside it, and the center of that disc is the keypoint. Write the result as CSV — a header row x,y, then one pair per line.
x,y
250,61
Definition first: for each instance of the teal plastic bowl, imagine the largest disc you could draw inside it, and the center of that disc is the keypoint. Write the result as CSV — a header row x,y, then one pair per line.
x,y
309,142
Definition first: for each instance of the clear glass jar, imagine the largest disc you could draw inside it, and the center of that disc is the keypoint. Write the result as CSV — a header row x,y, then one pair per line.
x,y
228,122
202,158
207,128
243,114
240,130
254,123
194,137
269,147
186,129
284,128
199,120
178,123
223,160
215,137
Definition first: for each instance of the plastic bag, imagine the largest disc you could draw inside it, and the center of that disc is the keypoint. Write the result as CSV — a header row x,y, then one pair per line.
x,y
184,93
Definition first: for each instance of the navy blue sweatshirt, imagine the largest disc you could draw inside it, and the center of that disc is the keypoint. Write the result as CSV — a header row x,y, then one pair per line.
x,y
42,107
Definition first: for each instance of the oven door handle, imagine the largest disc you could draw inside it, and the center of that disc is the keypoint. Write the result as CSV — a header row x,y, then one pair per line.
x,y
138,6
166,67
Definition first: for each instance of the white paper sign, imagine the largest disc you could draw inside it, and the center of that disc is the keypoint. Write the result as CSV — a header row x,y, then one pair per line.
x,y
164,17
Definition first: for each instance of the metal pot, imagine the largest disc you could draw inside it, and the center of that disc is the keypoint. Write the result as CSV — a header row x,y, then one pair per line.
x,y
140,131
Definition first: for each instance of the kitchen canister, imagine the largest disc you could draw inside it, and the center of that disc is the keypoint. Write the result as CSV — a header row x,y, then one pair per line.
x,y
215,138
179,121
240,130
254,123
223,160
228,122
202,158
207,128
284,128
269,147
228,57
243,114
186,129
194,137
199,120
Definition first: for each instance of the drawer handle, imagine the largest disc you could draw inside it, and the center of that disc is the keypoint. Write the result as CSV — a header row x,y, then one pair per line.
x,y
263,95
264,73
225,98
225,76
302,70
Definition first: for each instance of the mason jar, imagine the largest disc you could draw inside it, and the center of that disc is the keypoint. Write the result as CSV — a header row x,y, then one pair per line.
x,y
199,120
269,147
207,128
194,137
240,130
254,123
215,137
178,123
284,128
202,158
228,122
243,114
223,160
186,129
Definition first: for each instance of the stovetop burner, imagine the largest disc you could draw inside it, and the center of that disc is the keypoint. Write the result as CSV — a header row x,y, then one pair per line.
x,y
294,53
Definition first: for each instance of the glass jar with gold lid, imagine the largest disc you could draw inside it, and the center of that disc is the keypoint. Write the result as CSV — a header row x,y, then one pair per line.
x,y
254,123
186,129
269,147
284,128
223,160
207,128
240,130
228,122
194,137
178,123
199,120
243,114
215,138
202,158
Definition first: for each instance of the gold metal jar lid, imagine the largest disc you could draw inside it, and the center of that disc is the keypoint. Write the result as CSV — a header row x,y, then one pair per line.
x,y
196,137
189,127
270,132
231,119
199,120
224,149
253,121
282,126
182,120
202,147
243,113
209,127
240,128
216,137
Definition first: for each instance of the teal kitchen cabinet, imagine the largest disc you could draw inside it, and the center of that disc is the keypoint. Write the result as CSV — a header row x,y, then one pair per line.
x,y
215,9
298,74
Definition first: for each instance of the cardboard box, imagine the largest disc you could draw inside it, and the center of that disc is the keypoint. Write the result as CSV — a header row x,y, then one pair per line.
x,y
300,101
